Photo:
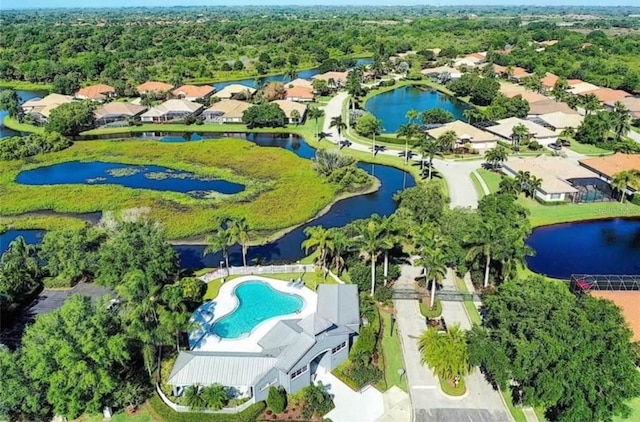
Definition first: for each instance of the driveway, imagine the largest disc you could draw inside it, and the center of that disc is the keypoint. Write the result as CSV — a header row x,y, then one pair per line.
x,y
366,405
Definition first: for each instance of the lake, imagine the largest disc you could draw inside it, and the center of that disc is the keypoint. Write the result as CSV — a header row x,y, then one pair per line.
x,y
391,107
131,176
24,96
288,248
610,246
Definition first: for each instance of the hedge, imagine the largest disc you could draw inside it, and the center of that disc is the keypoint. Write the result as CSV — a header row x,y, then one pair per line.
x,y
165,413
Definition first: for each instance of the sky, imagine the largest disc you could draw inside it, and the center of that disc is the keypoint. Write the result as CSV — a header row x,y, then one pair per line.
x,y
30,4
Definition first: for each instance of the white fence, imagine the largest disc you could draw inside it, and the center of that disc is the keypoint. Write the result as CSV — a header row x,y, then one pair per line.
x,y
257,270
181,408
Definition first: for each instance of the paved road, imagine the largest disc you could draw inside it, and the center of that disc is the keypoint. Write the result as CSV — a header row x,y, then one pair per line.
x,y
456,173
480,404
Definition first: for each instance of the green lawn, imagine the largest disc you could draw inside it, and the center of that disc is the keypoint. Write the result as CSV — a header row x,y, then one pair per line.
x,y
491,178
25,86
392,354
587,149
142,416
213,287
635,412
14,124
542,215
477,186
516,412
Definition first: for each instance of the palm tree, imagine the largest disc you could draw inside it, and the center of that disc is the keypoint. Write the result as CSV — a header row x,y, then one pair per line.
x,y
340,125
484,241
407,131
435,263
496,156
178,318
590,103
388,241
447,140
194,399
428,147
620,120
567,133
319,239
446,354
215,397
469,113
220,240
518,133
240,234
315,113
370,240
412,115
341,245
510,185
295,116
622,180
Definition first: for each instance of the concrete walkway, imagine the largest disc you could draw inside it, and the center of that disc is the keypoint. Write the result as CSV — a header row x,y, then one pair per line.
x,y
366,405
457,174
480,404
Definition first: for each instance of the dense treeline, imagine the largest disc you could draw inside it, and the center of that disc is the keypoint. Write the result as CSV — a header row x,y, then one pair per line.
x,y
15,147
129,49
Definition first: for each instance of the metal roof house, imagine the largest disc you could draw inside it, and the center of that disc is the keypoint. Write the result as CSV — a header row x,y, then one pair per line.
x,y
292,351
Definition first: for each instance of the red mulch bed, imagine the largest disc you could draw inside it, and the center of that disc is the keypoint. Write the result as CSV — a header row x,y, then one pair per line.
x,y
291,414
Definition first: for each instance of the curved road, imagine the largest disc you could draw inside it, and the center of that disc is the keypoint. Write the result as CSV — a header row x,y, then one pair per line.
x,y
457,174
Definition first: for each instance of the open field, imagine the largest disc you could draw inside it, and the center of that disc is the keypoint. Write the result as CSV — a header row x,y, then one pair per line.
x,y
587,149
281,189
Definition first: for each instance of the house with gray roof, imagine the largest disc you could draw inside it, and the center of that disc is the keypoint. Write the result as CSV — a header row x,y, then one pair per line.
x,y
293,351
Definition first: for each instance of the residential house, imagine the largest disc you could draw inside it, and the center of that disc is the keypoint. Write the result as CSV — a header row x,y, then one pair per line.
x,y
562,180
299,82
230,91
154,88
606,94
471,60
510,90
466,134
117,112
533,97
40,108
576,86
290,354
607,167
338,78
627,301
504,129
442,73
549,80
631,103
518,74
226,111
549,106
98,92
194,92
171,110
288,108
559,120
299,93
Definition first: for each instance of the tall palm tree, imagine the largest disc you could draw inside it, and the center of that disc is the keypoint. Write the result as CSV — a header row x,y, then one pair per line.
x,y
315,113
339,124
435,263
622,180
428,147
496,156
370,240
219,241
178,317
484,240
518,133
446,354
469,113
407,131
341,245
194,399
620,120
590,103
240,234
319,239
567,133
388,239
510,185
447,140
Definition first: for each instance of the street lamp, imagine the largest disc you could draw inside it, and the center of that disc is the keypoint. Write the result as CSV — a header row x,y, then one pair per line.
x,y
401,372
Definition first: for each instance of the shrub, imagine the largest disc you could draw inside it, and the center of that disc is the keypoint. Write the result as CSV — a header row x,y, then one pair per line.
x,y
383,294
387,82
534,145
317,401
162,412
16,147
363,374
277,399
414,76
264,115
431,313
363,349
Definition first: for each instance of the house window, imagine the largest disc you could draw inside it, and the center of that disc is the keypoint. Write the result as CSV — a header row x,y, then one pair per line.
x,y
338,348
299,372
269,384
555,196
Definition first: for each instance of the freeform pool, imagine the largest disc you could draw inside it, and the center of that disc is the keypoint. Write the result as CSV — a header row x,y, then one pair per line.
x,y
257,302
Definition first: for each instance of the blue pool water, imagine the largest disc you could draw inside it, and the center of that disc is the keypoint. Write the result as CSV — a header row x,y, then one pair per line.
x,y
391,107
131,176
589,247
258,302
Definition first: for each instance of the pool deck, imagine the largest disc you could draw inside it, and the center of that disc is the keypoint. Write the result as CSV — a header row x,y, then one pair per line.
x,y
226,302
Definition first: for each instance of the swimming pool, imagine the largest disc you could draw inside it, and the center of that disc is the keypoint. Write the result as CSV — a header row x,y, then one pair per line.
x,y
257,302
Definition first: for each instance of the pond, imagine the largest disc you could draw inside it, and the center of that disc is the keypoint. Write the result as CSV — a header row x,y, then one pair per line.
x,y
24,96
391,107
287,248
131,176
609,246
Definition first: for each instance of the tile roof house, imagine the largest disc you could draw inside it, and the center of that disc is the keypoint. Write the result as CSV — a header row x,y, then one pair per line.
x,y
299,82
299,93
533,97
439,71
549,80
606,94
606,167
171,110
98,92
559,120
580,87
291,353
234,89
193,92
549,106
631,103
226,111
465,133
340,78
519,73
289,106
40,108
559,176
628,302
117,112
150,87
504,129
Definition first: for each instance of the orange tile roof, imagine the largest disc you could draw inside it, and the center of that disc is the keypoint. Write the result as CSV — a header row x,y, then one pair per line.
x,y
629,304
153,86
518,71
612,164
607,94
299,92
194,91
574,82
499,69
533,97
95,92
549,80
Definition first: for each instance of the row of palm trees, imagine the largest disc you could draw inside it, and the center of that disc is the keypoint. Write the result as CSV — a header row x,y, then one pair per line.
x,y
228,233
